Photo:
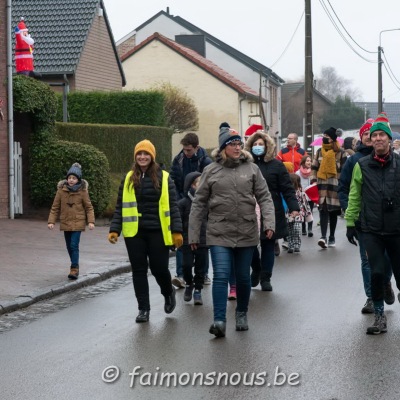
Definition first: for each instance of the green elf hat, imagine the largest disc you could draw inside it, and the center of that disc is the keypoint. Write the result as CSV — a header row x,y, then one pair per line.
x,y
381,123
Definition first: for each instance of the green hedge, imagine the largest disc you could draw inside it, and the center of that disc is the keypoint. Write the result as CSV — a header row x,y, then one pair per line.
x,y
117,142
49,158
59,155
127,108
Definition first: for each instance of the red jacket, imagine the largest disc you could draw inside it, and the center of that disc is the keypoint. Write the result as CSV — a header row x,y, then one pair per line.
x,y
293,155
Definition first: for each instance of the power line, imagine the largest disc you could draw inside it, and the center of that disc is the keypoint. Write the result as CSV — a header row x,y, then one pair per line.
x,y
362,48
387,63
390,76
341,34
290,41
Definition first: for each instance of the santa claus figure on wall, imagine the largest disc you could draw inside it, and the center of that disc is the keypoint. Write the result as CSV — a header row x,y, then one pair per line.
x,y
24,51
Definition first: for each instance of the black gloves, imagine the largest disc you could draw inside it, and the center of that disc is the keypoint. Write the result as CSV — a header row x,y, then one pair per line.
x,y
351,234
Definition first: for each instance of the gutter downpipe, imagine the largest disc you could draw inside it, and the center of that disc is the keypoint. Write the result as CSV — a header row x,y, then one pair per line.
x,y
10,113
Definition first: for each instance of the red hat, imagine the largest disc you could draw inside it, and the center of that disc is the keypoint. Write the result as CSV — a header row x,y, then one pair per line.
x,y
366,127
21,25
253,128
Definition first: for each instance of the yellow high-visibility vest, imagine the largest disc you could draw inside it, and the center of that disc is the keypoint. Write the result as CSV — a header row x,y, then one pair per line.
x,y
130,214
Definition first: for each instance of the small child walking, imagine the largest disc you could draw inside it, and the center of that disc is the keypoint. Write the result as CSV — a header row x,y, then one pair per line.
x,y
196,257
72,204
294,223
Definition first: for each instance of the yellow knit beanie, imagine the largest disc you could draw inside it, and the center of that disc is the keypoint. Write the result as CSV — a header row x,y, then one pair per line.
x,y
147,146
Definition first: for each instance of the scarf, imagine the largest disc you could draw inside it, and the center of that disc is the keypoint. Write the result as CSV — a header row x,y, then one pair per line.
x,y
305,172
74,188
327,168
382,159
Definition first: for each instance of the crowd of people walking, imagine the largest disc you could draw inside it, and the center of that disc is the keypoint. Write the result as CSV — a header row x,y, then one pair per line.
x,y
236,204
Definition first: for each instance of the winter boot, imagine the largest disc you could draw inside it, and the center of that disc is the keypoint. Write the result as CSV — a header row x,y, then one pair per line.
x,y
74,273
266,282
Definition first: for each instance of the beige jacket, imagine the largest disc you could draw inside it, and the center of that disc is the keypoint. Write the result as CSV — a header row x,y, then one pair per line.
x,y
74,208
231,190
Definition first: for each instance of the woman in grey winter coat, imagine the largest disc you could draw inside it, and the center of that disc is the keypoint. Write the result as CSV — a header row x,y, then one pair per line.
x,y
228,191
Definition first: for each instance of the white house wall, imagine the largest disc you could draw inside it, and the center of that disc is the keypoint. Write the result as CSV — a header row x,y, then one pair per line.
x,y
169,28
157,63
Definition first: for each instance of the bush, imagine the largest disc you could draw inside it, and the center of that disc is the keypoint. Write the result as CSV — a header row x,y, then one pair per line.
x,y
60,155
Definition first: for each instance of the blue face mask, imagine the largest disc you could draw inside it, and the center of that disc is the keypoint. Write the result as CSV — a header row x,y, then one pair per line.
x,y
258,150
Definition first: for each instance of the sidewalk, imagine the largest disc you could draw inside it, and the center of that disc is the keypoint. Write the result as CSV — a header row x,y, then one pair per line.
x,y
34,262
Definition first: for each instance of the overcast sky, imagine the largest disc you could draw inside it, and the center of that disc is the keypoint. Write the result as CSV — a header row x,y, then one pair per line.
x,y
262,29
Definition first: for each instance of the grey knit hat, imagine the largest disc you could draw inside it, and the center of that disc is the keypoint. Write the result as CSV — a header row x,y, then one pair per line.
x,y
75,170
227,135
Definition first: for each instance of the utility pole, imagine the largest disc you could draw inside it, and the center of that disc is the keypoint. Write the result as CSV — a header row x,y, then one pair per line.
x,y
309,79
380,105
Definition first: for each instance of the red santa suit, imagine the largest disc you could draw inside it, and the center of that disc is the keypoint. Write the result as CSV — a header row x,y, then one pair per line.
x,y
23,49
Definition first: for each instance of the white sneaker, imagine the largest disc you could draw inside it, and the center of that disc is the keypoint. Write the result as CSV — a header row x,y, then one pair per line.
x,y
322,243
178,282
285,245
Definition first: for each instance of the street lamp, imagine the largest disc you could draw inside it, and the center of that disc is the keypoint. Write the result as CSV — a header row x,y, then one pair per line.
x,y
380,62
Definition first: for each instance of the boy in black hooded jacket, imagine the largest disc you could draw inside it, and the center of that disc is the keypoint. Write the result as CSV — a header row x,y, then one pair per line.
x,y
198,257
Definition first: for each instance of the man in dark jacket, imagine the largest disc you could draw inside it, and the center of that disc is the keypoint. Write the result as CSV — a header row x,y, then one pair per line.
x,y
374,200
192,158
363,149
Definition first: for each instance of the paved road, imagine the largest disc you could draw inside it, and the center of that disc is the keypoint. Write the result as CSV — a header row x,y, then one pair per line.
x,y
309,325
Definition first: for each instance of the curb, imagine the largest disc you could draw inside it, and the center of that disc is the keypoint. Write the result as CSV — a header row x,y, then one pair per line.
x,y
89,279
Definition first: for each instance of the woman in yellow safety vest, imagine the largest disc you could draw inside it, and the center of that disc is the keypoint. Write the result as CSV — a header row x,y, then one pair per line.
x,y
148,216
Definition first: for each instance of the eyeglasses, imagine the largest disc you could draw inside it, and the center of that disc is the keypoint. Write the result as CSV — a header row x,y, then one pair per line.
x,y
235,144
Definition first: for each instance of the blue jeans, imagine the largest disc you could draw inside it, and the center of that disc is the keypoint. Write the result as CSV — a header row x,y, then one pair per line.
x,y
365,268
72,240
267,255
223,259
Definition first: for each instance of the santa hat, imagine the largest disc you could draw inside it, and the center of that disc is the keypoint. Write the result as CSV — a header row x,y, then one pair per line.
x,y
366,127
21,25
253,128
381,123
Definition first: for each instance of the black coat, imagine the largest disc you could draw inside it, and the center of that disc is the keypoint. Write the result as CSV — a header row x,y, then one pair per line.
x,y
148,198
278,180
182,166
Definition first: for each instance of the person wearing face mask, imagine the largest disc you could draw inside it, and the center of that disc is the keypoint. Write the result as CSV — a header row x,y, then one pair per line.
x,y
262,148
227,195
326,167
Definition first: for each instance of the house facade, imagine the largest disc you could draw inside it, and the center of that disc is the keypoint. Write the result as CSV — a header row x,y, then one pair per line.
x,y
258,77
74,45
217,95
293,109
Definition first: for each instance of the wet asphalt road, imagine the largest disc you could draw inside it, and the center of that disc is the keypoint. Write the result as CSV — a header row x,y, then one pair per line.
x,y
309,328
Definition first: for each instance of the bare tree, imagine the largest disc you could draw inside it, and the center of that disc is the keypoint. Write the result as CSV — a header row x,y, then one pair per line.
x,y
180,110
331,85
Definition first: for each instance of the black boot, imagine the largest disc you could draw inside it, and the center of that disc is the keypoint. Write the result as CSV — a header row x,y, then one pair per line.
x,y
143,316
170,302
266,282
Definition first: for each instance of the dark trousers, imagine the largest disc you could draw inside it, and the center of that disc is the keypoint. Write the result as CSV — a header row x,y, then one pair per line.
x,y
197,259
376,245
144,249
326,216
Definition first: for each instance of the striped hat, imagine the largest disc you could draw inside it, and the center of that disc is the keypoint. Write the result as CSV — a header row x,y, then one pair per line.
x,y
381,123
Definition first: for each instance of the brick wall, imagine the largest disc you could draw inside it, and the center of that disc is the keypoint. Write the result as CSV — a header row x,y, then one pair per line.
x,y
126,45
4,190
